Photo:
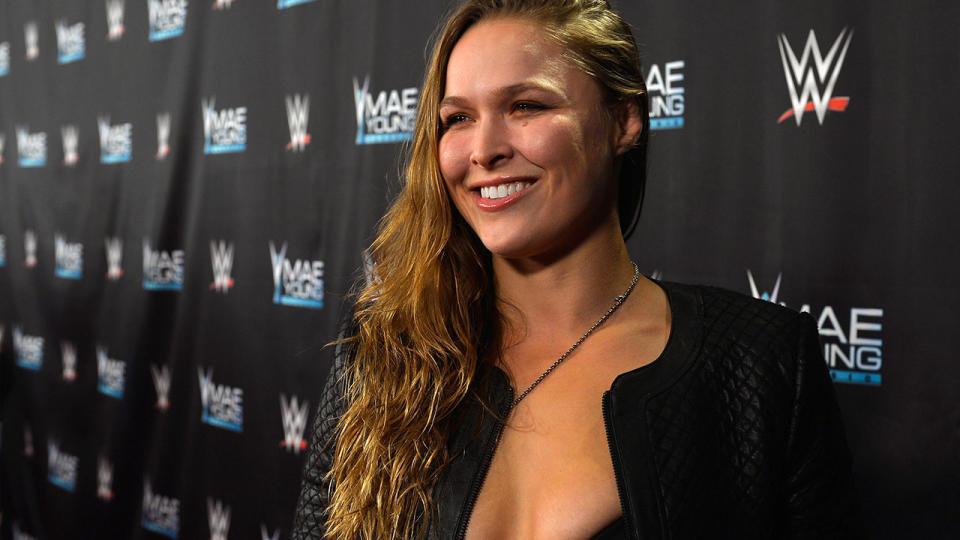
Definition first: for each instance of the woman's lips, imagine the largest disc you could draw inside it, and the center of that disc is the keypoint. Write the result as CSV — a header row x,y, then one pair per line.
x,y
500,196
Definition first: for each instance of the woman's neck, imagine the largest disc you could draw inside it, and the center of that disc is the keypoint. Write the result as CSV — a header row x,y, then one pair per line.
x,y
545,298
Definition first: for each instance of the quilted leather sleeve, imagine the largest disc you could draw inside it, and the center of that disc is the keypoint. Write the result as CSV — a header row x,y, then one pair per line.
x,y
821,499
315,490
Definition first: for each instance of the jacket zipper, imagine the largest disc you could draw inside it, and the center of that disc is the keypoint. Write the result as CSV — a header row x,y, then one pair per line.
x,y
481,475
617,473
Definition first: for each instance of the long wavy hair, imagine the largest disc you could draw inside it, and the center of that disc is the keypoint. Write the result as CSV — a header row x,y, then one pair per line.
x,y
428,316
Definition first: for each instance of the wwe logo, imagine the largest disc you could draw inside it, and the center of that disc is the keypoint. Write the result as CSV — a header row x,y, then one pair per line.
x,y
221,255
294,416
114,19
31,38
161,382
163,135
68,352
769,297
104,479
219,519
265,536
298,107
221,4
70,137
114,257
800,74
30,247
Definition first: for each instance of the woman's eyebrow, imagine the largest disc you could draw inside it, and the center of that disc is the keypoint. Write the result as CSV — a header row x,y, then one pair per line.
x,y
542,84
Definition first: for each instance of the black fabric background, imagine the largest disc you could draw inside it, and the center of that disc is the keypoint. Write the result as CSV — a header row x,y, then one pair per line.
x,y
856,212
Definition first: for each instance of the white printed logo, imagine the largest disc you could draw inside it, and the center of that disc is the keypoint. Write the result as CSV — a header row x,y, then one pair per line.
x,y
224,131
70,44
3,250
298,283
111,374
31,38
221,256
161,514
68,352
167,18
18,534
31,147
264,535
294,416
68,258
4,58
222,405
666,95
162,270
30,248
163,135
218,516
114,19
298,109
28,350
116,141
71,137
222,4
104,479
114,257
388,117
815,82
161,383
61,467
3,139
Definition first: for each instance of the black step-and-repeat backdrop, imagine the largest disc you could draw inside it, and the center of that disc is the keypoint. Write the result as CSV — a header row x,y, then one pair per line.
x,y
186,189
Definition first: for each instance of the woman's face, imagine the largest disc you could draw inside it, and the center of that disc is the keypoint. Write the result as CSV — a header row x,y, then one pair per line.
x,y
527,149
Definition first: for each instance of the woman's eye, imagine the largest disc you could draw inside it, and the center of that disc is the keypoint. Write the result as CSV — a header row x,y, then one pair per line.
x,y
449,121
527,107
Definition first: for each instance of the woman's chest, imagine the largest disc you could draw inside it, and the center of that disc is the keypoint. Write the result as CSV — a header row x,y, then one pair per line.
x,y
551,474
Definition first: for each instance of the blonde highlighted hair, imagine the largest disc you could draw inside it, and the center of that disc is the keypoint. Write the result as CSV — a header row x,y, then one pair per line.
x,y
425,319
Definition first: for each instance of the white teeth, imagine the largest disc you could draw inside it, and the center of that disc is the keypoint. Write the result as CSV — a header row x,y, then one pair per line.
x,y
503,190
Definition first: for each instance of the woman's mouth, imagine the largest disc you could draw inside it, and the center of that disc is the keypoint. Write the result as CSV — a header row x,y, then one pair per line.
x,y
500,196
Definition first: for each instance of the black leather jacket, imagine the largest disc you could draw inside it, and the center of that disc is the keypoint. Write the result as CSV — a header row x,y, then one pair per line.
x,y
734,432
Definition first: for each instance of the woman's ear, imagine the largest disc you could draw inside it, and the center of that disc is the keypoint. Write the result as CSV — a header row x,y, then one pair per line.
x,y
629,125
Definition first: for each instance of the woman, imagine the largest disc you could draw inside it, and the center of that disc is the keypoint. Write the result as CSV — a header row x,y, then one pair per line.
x,y
452,409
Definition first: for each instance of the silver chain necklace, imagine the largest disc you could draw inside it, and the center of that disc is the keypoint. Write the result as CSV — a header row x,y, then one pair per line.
x,y
616,304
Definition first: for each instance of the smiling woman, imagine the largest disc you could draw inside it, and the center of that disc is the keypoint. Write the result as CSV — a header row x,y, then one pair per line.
x,y
508,373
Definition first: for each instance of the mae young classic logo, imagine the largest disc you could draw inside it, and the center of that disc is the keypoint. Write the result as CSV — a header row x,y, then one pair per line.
x,y
811,85
31,147
69,258
28,350
70,43
162,270
666,95
161,514
224,131
222,405
116,141
61,467
853,353
111,374
386,117
167,18
296,283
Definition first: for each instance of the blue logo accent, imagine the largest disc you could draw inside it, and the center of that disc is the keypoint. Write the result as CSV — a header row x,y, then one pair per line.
x,y
675,122
374,138
27,363
68,274
61,482
154,286
114,158
33,162
170,533
70,57
855,377
224,424
282,4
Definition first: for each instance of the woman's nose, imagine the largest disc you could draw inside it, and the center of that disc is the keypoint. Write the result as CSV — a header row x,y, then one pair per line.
x,y
492,143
